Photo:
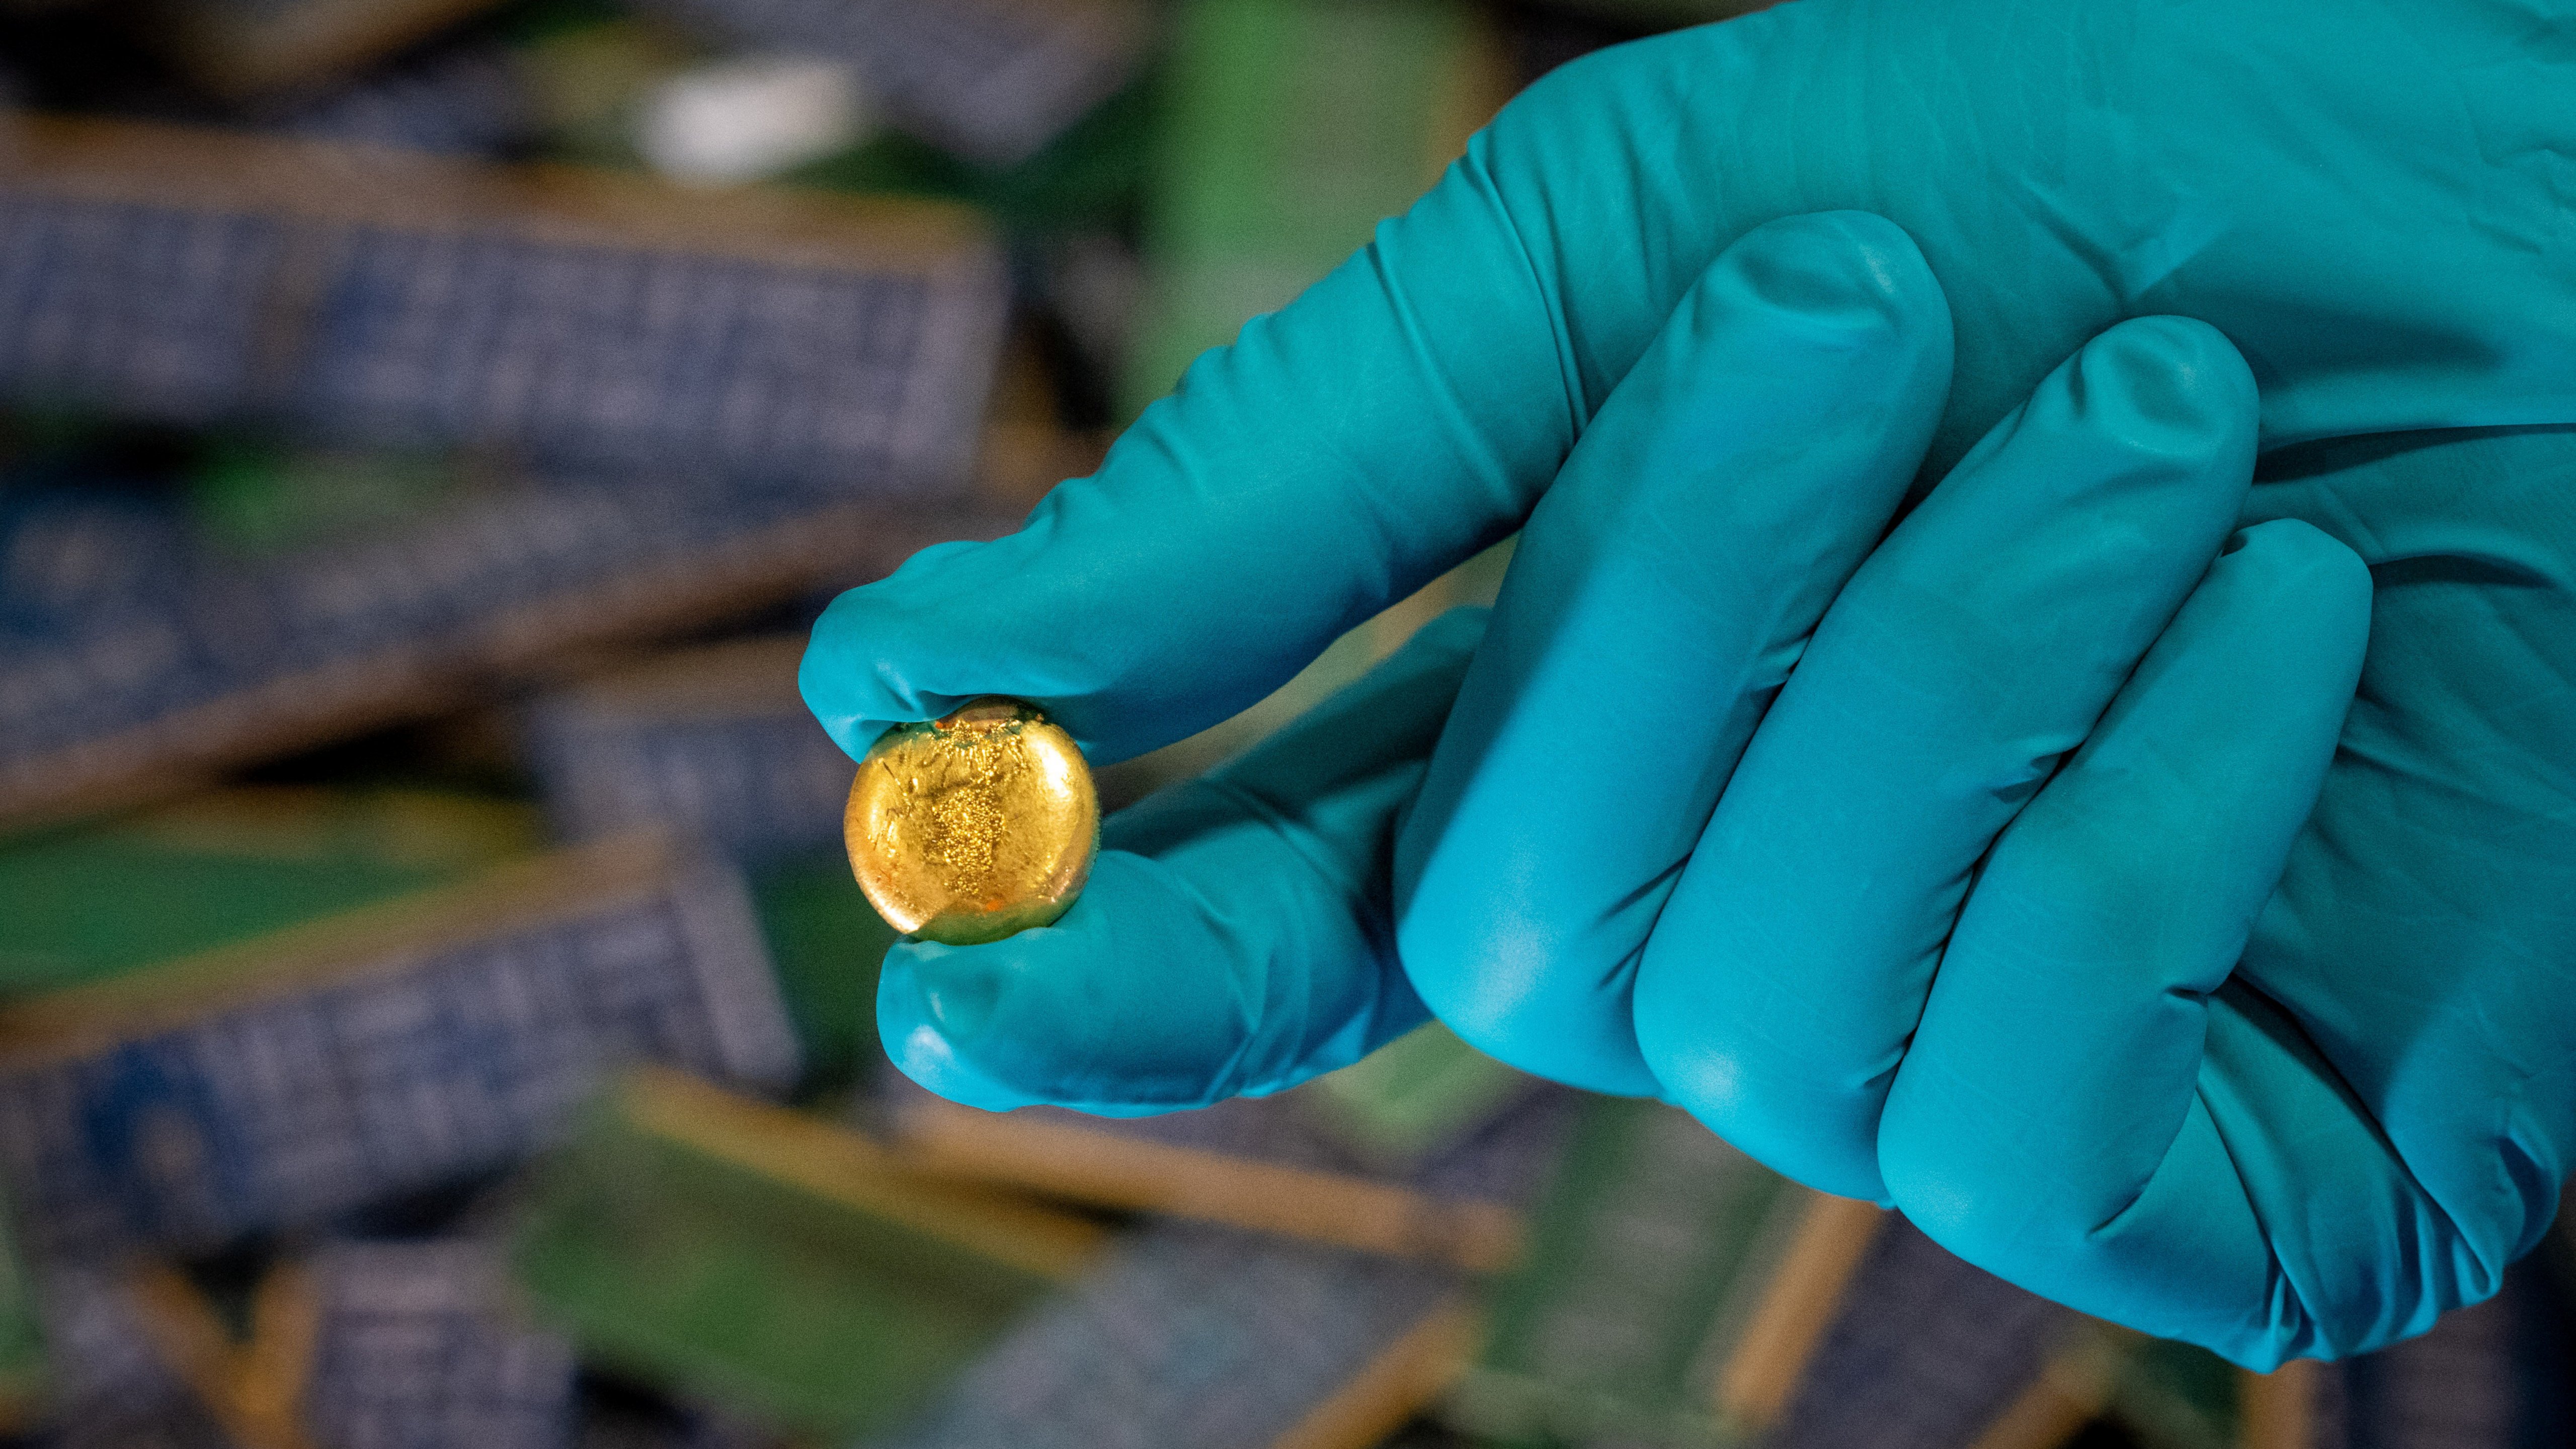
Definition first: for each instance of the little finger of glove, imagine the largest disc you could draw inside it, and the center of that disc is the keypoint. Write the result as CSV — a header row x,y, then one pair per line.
x,y
1659,594
2084,1112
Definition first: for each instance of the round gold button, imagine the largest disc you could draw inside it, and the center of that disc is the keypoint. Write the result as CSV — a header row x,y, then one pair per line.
x,y
974,827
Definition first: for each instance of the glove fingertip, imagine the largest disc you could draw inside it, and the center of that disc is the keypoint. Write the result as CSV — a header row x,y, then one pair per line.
x,y
1846,277
892,651
2171,387
923,1049
2315,575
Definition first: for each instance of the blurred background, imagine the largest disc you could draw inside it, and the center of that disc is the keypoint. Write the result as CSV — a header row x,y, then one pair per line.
x,y
434,1012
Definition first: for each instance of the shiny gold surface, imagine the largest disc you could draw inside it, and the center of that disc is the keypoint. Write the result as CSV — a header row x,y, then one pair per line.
x,y
974,827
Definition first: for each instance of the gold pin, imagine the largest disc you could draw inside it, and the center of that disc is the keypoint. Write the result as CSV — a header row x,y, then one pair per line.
x,y
974,827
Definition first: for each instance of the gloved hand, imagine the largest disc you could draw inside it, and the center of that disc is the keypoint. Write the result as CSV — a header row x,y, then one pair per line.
x,y
2366,203
1237,935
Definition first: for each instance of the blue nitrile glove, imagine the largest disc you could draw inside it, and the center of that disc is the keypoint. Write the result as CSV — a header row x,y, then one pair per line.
x,y
2369,204
1237,934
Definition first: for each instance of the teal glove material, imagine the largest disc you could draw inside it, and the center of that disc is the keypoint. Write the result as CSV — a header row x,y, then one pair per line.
x,y
2146,1128
1976,647
1235,938
2369,205
1659,595
1238,933
1973,649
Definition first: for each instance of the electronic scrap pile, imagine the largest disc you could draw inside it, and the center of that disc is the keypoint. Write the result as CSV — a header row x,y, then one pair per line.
x,y
433,1009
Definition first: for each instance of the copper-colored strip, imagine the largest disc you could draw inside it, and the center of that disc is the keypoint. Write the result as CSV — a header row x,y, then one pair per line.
x,y
836,1163
204,169
511,897
169,755
2277,1410
1398,1384
1796,1308
2070,1390
307,41
276,1366
1124,1172
738,677
191,1341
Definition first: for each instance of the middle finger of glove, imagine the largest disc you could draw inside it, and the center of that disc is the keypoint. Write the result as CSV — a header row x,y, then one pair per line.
x,y
1661,591
1977,646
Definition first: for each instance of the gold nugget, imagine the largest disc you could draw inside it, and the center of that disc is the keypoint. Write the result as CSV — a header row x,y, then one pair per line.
x,y
974,827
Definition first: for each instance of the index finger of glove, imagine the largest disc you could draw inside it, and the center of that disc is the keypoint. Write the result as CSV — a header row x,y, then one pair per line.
x,y
1398,417
1657,599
